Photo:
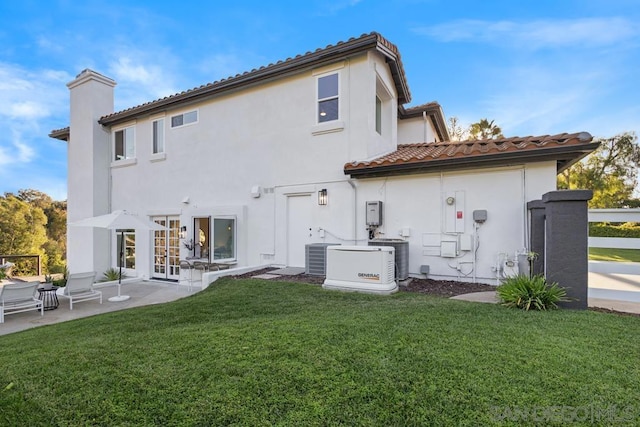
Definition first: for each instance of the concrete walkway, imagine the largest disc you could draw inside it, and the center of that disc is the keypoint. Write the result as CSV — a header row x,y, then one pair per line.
x,y
141,293
619,292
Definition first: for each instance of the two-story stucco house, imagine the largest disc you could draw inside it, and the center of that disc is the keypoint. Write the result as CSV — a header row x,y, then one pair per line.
x,y
252,168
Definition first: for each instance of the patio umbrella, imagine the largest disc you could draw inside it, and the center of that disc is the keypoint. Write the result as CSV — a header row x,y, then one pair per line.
x,y
118,220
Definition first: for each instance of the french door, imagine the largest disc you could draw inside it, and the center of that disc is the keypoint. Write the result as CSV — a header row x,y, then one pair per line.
x,y
166,248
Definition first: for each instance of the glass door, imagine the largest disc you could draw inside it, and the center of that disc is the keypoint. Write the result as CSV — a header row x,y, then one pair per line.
x,y
166,248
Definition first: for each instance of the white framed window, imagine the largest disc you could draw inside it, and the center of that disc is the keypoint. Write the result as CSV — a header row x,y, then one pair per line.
x,y
383,109
224,238
378,115
328,89
124,142
158,136
184,119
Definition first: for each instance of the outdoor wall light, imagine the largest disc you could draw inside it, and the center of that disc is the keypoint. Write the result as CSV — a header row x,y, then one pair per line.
x,y
323,197
183,232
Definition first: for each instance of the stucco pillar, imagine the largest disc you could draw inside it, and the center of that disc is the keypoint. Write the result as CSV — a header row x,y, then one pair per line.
x,y
537,217
88,163
566,252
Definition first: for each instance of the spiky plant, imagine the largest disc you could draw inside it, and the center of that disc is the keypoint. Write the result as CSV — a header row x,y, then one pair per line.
x,y
531,293
111,275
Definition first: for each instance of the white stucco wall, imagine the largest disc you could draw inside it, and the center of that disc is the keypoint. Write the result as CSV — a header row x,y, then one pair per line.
x,y
415,130
418,203
267,136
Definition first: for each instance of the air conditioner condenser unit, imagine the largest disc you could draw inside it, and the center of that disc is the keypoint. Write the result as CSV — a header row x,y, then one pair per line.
x,y
367,269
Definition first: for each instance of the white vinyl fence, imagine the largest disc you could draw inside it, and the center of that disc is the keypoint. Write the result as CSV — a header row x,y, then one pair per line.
x,y
614,215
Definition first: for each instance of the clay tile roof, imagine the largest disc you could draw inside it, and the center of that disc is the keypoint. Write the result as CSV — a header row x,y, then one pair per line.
x,y
564,148
299,62
431,109
61,134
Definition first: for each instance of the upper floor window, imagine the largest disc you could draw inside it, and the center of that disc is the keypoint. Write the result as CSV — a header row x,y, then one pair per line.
x,y
328,89
158,136
124,144
184,119
378,115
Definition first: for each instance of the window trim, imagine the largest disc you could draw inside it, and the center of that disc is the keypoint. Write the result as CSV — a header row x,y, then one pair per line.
x,y
124,159
197,120
383,100
234,256
378,120
154,152
329,98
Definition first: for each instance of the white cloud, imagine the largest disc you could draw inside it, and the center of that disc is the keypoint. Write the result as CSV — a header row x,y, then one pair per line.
x,y
31,100
222,65
559,33
149,78
16,153
140,78
28,110
537,99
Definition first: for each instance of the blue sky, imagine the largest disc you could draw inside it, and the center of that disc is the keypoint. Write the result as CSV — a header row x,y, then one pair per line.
x,y
535,67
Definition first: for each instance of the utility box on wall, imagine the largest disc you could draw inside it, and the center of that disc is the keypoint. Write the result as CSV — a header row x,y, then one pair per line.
x,y
374,213
454,212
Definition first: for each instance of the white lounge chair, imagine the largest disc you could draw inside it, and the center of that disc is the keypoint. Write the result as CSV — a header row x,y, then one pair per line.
x,y
79,288
18,298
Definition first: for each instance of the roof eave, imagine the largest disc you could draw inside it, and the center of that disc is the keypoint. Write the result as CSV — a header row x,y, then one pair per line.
x,y
61,134
270,72
436,115
564,156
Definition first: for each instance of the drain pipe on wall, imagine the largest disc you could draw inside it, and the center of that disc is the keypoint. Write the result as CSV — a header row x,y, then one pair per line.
x,y
355,210
424,118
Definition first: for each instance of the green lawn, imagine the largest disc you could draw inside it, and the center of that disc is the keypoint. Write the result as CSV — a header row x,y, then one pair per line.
x,y
252,352
620,255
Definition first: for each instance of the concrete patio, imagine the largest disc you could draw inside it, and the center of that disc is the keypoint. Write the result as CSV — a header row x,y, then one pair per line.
x,y
141,293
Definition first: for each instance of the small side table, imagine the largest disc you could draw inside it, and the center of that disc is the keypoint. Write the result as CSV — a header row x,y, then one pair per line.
x,y
48,296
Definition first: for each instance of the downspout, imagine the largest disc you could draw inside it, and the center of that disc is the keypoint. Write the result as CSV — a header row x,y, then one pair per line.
x,y
525,234
355,210
424,118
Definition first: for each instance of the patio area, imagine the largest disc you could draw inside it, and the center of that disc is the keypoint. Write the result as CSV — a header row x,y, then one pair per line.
x,y
141,293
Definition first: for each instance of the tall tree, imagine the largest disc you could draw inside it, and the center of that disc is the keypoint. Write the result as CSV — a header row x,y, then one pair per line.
x,y
485,129
456,131
22,227
611,172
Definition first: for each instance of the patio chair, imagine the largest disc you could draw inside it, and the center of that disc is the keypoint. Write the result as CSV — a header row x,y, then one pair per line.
x,y
186,267
18,298
79,288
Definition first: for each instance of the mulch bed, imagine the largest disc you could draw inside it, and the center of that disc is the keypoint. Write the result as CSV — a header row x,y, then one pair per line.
x,y
441,288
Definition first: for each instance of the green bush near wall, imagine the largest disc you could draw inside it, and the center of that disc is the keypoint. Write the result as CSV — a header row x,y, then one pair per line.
x,y
608,229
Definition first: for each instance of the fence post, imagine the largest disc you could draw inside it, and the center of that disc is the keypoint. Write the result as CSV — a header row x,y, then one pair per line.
x,y
537,215
567,247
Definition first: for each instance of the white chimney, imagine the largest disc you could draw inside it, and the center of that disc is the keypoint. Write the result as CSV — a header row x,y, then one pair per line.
x,y
88,160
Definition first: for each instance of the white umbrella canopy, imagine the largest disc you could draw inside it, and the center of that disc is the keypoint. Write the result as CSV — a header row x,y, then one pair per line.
x,y
118,220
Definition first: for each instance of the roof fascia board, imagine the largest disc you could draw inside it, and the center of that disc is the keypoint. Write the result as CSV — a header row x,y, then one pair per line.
x,y
270,72
501,159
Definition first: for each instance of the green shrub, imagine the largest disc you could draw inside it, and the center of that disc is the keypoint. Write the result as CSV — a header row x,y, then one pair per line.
x,y
608,229
530,293
111,275
3,274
